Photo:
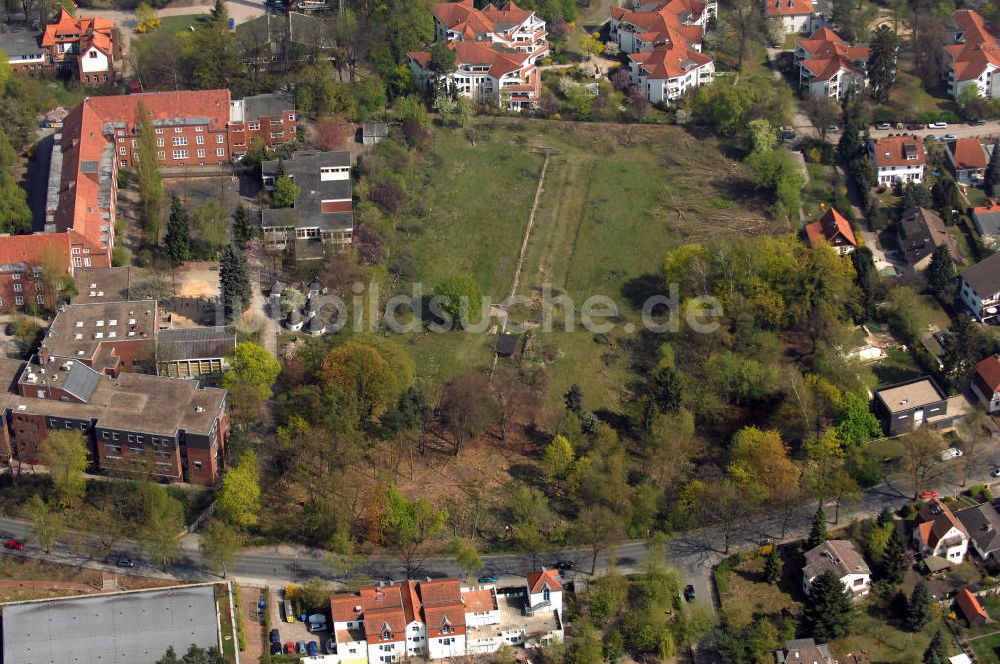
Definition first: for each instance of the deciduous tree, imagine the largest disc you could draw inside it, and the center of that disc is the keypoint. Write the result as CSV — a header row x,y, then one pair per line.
x,y
163,519
238,500
251,368
408,525
220,546
361,372
598,527
458,299
150,183
466,556
921,455
463,407
558,458
991,178
46,524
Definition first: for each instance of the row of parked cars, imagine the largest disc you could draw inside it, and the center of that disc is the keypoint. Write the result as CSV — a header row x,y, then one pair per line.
x,y
299,647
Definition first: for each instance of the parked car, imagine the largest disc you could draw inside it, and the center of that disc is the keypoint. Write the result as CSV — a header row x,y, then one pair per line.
x,y
913,127
290,648
977,122
312,648
832,129
565,565
927,494
787,134
331,646
995,472
489,578
301,647
275,648
317,622
951,453
949,137
14,545
938,125
689,593
883,125
275,637
125,561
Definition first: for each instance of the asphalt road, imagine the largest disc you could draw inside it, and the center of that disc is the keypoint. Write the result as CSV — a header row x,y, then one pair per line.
x,y
693,553
962,130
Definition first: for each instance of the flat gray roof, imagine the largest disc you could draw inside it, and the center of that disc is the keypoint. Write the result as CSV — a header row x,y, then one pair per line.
x,y
899,398
123,628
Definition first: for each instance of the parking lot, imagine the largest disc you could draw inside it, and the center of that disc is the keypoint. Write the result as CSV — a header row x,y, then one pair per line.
x,y
293,631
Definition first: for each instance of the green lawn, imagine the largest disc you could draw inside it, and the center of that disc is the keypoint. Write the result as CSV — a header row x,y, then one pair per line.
x,y
615,199
897,367
987,649
883,641
179,23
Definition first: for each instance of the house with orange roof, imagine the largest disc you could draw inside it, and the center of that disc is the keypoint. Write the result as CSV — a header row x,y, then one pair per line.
x,y
986,383
680,23
829,66
511,28
968,159
971,608
831,229
939,533
795,16
84,43
897,159
972,55
670,70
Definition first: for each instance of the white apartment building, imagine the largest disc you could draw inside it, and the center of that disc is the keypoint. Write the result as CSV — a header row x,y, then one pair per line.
x,y
668,71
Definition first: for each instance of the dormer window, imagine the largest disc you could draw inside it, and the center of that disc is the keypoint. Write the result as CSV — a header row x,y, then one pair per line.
x,y
386,635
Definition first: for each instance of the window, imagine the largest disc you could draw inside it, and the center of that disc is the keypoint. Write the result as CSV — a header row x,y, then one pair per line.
x,y
220,138
159,142
18,288
197,465
76,250
38,287
201,154
131,438
16,277
77,262
180,154
220,152
161,155
178,130
545,594
105,435
92,54
200,140
291,117
180,140
199,129
112,448
254,126
86,262
19,301
123,162
446,642
159,130
138,438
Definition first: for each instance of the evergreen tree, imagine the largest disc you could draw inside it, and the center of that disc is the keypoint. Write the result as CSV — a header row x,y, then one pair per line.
x,y
850,144
881,65
941,272
937,651
178,239
885,517
234,281
574,400
817,534
918,609
242,230
772,566
829,611
963,349
895,562
219,12
992,176
868,279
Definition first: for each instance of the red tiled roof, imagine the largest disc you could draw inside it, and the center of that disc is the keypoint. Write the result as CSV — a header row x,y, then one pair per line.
x,y
67,29
788,7
480,601
537,580
892,150
980,48
29,249
442,591
988,372
211,104
970,606
379,621
941,522
666,23
828,54
439,616
471,22
369,598
828,228
967,153
668,61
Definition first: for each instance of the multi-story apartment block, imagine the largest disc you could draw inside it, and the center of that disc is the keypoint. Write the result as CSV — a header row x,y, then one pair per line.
x,y
441,619
270,119
897,159
136,423
972,55
799,16
85,45
829,66
680,23
496,54
323,213
669,71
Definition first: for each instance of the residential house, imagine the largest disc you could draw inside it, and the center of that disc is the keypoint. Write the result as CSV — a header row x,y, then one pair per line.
x,y
969,606
496,53
169,428
441,619
897,159
919,232
796,16
804,651
979,288
905,406
939,533
84,45
986,383
670,70
191,352
323,214
986,219
646,25
968,159
833,230
982,522
829,66
841,558
972,55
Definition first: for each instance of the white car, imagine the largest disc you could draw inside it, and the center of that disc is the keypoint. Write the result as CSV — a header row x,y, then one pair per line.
x,y
995,472
951,453
938,125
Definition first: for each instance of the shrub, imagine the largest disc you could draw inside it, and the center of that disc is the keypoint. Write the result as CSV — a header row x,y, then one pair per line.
x,y
389,196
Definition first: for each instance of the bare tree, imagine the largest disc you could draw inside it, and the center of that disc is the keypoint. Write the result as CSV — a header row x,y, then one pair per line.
x,y
974,433
921,455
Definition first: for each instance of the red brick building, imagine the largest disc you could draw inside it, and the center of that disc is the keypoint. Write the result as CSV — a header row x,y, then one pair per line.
x,y
109,337
135,423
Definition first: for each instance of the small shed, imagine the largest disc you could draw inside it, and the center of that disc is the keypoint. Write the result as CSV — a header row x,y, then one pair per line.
x,y
374,132
506,344
960,659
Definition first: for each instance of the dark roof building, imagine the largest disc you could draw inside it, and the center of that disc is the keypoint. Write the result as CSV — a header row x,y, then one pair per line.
x,y
323,212
979,288
109,337
119,628
904,406
107,284
189,352
803,651
987,219
920,232
983,524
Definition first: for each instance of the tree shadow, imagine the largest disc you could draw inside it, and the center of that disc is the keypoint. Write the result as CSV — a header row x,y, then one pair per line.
x,y
639,290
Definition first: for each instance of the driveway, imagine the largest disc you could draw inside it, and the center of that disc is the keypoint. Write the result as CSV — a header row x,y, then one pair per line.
x,y
990,129
240,10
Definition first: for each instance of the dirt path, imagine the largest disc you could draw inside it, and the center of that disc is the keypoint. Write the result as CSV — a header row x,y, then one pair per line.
x,y
527,231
